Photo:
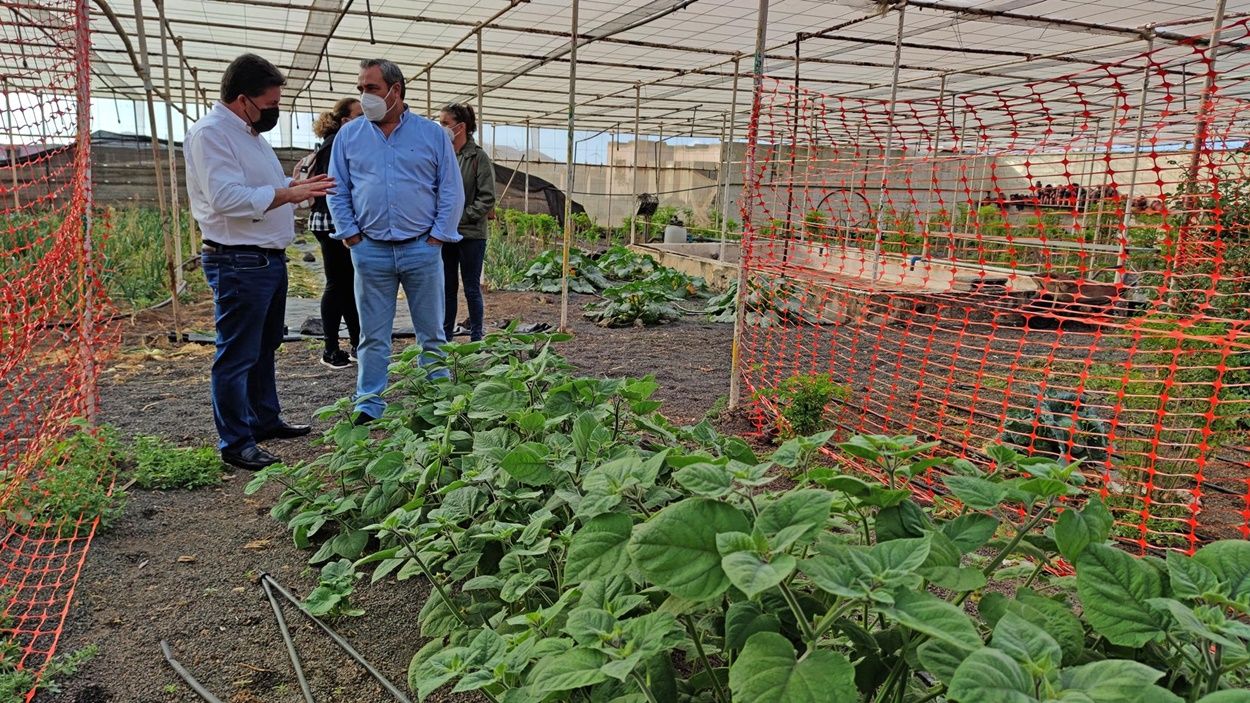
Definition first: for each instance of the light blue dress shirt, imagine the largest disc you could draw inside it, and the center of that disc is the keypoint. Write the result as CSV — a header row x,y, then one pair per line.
x,y
404,186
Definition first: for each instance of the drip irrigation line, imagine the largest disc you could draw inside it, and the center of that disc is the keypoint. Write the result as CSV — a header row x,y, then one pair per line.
x,y
186,675
342,643
286,639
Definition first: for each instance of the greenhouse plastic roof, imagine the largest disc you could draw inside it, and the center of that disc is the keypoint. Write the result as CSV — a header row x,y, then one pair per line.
x,y
680,52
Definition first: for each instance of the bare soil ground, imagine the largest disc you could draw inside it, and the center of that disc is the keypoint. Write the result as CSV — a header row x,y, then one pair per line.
x,y
184,565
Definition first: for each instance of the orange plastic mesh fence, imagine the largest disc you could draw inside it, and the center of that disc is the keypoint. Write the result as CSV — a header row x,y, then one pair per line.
x,y
1053,265
53,327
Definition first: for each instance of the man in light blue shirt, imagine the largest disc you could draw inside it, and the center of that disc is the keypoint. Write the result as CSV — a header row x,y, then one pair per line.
x,y
399,197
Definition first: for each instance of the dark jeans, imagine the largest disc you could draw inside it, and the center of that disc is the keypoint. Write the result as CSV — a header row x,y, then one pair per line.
x,y
338,301
249,299
464,258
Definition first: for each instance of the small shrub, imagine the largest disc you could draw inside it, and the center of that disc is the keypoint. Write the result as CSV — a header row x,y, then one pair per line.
x,y
1061,425
803,400
70,485
159,464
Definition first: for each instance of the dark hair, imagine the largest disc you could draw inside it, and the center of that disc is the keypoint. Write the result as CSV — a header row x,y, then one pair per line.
x,y
463,113
249,75
390,72
330,121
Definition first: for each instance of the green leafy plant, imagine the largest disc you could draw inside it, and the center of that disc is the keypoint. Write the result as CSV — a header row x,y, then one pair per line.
x,y
546,273
17,682
70,483
640,303
802,402
1063,425
159,464
624,264
332,595
581,547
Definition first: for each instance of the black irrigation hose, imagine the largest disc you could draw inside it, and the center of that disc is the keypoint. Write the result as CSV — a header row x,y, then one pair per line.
x,y
186,675
342,643
286,638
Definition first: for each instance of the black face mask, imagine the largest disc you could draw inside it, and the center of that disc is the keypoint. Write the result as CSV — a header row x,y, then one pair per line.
x,y
268,118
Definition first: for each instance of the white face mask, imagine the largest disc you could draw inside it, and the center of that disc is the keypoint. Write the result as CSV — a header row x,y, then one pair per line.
x,y
373,107
451,133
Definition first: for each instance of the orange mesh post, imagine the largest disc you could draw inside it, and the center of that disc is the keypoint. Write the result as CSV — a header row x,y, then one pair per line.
x,y
53,314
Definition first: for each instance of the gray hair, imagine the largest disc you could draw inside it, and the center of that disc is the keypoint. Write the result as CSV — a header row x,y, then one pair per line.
x,y
390,72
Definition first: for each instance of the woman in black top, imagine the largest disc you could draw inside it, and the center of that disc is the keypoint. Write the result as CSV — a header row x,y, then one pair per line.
x,y
338,302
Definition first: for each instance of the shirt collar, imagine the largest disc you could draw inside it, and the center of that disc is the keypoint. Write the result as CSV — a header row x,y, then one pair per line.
x,y
219,108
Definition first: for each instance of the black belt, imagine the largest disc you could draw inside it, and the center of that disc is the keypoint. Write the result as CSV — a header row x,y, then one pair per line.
x,y
211,247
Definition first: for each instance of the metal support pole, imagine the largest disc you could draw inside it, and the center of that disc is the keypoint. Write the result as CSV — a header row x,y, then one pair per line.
x,y
744,258
933,166
889,143
1131,193
481,124
611,179
525,162
722,173
87,283
633,215
729,155
1201,132
171,260
569,155
174,211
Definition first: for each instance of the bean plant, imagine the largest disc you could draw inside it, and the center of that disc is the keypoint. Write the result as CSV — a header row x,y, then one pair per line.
x,y
581,547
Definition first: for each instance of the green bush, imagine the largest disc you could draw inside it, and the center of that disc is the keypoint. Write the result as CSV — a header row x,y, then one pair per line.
x,y
161,465
583,548
70,484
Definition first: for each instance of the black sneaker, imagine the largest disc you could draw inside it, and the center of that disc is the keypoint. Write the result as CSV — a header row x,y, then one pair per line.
x,y
337,359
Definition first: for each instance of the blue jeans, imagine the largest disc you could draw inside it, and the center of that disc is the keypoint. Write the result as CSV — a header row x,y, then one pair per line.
x,y
463,261
381,268
249,301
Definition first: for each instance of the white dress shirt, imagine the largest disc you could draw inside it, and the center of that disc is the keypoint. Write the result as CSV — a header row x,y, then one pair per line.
x,y
232,174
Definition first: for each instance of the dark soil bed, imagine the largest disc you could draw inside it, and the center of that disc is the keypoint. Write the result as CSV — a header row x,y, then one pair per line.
x,y
184,565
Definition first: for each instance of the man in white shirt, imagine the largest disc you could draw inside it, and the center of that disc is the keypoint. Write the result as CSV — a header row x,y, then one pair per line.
x,y
244,204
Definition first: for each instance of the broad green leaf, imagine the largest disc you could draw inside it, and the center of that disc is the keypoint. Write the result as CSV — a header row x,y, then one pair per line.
x,y
745,618
942,659
932,616
676,547
970,531
903,555
803,508
753,575
1114,588
1189,578
1045,487
517,585
862,447
954,579
528,464
387,467
942,551
990,676
531,422
901,521
1077,529
767,672
589,626
1117,681
1027,643
598,549
837,575
564,672
437,669
1242,696
495,397
975,492
1055,618
704,479
1230,560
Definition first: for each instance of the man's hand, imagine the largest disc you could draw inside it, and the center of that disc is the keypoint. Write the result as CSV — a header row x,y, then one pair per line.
x,y
301,190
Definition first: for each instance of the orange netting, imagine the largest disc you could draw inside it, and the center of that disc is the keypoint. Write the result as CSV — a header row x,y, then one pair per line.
x,y
52,323
1053,265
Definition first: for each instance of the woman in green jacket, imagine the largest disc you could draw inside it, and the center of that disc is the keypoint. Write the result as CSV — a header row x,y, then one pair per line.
x,y
462,261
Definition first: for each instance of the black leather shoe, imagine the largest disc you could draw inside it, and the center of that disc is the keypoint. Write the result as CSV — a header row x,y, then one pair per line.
x,y
283,431
252,458
362,418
